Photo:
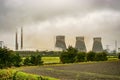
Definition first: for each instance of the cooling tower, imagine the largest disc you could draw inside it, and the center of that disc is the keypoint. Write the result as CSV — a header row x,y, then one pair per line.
x,y
80,44
97,45
60,42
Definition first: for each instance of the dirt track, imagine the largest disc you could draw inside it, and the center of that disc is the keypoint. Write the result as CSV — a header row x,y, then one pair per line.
x,y
81,71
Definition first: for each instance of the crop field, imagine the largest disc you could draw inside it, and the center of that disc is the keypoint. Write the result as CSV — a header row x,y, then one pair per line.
x,y
108,70
51,60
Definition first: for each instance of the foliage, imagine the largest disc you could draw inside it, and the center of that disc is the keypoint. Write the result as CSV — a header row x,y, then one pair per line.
x,y
5,58
80,57
118,55
8,58
101,56
69,55
91,56
27,61
6,74
36,59
17,60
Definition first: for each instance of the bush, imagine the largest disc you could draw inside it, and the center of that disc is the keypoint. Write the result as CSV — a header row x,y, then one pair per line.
x,y
9,74
91,56
17,60
5,58
101,56
118,55
27,61
36,60
81,57
69,55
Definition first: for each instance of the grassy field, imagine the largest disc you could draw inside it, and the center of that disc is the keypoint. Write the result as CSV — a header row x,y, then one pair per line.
x,y
50,60
106,70
56,60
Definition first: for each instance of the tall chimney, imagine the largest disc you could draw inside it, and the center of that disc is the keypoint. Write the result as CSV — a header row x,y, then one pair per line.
x,y
21,38
16,41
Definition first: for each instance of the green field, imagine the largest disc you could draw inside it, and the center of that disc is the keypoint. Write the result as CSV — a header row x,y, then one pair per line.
x,y
57,59
51,60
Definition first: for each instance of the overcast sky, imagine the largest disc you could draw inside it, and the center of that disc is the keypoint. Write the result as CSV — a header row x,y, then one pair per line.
x,y
42,20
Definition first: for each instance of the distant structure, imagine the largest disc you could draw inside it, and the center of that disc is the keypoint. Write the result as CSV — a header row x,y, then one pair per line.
x,y
119,50
16,41
97,45
60,42
1,44
21,38
80,44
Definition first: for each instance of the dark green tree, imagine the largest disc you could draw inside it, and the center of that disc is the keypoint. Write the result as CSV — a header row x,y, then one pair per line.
x,y
118,55
80,57
69,55
91,56
17,60
36,60
101,56
27,61
5,57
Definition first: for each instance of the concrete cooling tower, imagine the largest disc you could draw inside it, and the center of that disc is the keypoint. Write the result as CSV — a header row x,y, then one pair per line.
x,y
97,45
60,42
80,44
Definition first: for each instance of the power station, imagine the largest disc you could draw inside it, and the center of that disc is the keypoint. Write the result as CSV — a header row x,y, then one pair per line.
x,y
60,42
97,45
80,44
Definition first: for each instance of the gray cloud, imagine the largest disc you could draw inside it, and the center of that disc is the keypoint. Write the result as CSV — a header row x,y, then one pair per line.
x,y
52,17
14,13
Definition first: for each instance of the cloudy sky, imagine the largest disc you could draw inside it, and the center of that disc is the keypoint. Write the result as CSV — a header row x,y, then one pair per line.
x,y
42,20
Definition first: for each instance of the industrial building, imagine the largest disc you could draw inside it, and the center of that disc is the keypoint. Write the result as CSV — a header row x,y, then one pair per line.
x,y
80,44
97,45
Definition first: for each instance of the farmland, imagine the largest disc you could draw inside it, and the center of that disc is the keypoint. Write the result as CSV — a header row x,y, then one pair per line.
x,y
50,60
108,70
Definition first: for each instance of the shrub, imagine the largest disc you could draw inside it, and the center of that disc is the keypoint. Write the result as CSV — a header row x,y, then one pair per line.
x,y
17,60
10,74
5,58
80,57
69,55
36,60
101,56
118,55
27,61
91,56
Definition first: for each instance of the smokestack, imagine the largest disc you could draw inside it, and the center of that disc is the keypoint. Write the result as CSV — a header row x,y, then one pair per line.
x,y
21,38
97,45
60,42
80,44
16,41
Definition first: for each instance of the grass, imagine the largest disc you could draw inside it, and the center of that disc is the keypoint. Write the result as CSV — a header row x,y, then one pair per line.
x,y
12,74
50,60
106,70
57,59
112,58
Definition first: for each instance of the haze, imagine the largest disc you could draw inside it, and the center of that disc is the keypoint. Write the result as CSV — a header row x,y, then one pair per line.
x,y
42,20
